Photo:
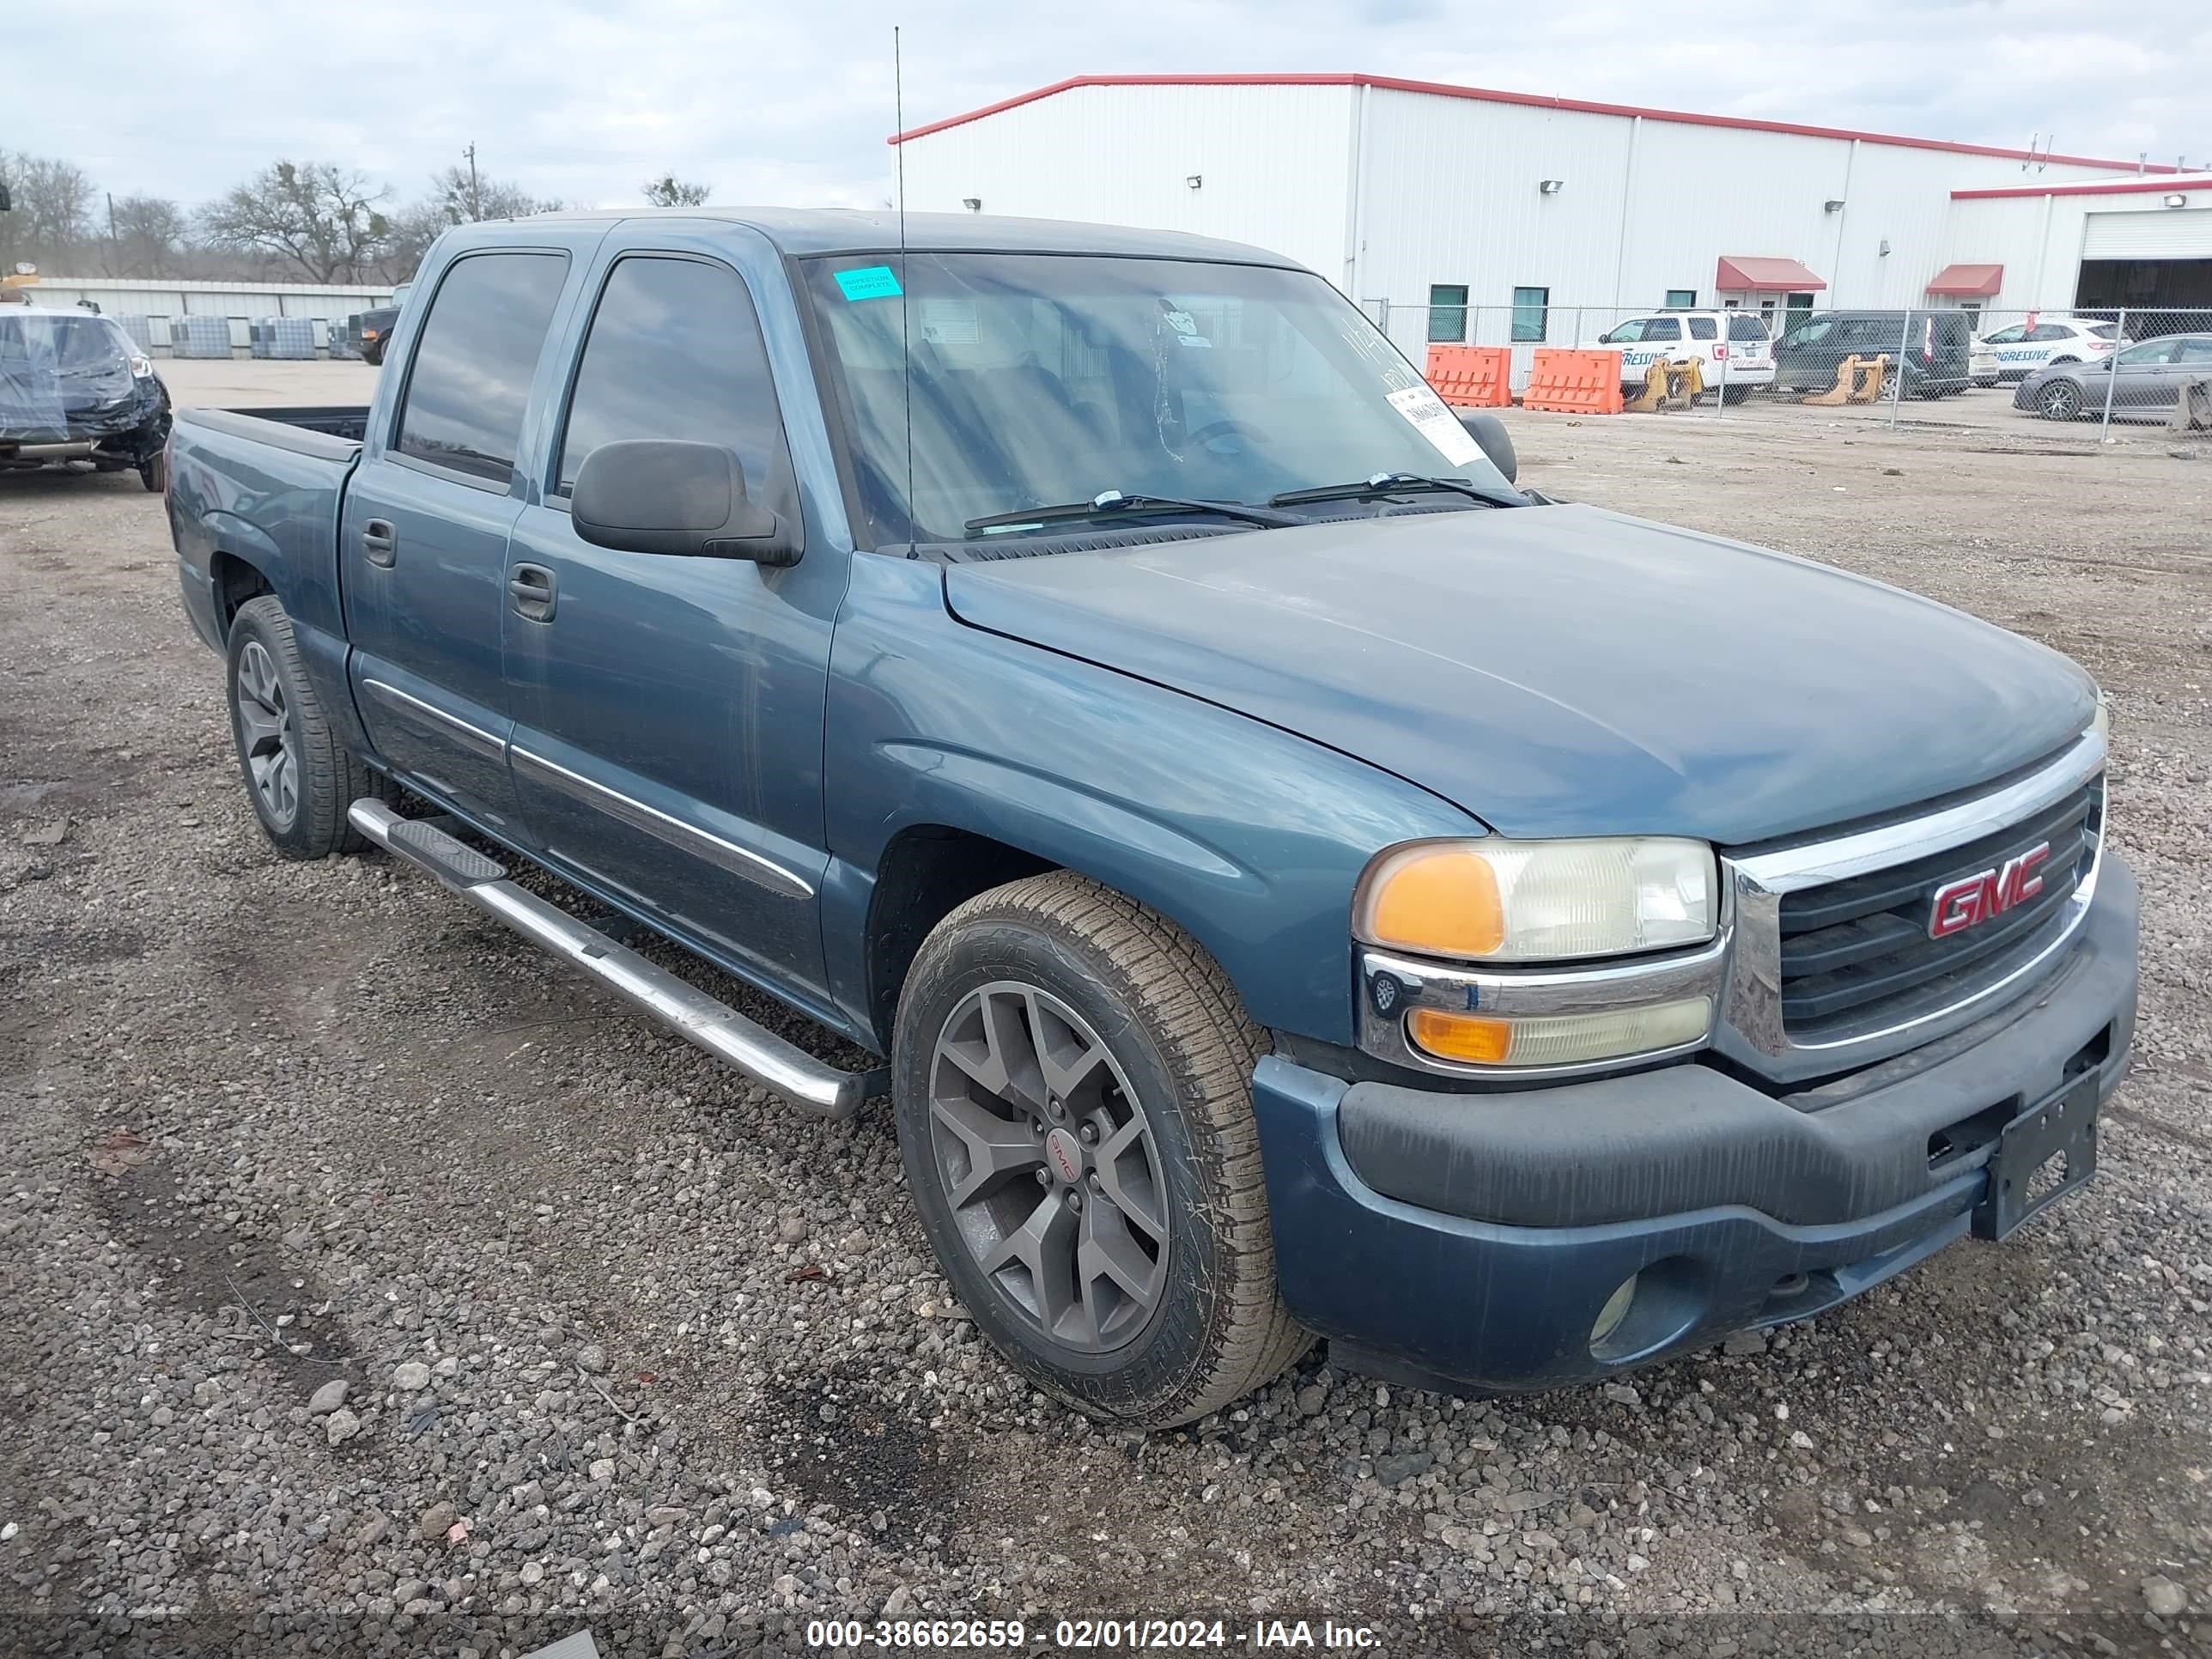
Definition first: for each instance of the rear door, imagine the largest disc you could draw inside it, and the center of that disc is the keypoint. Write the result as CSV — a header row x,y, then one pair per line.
x,y
422,533
1750,351
2148,376
667,747
1662,338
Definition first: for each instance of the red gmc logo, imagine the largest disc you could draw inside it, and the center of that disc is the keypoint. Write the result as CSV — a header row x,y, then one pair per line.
x,y
1970,900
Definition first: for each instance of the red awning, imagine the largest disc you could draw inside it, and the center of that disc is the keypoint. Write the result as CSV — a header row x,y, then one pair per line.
x,y
1739,275
1969,282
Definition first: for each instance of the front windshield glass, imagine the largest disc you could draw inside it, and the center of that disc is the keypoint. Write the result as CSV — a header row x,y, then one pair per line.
x,y
1041,380
62,345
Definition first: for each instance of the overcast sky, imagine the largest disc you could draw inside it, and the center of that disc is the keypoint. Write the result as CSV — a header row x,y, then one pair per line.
x,y
790,103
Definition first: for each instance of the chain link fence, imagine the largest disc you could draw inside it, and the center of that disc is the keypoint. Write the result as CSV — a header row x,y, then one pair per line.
x,y
2086,374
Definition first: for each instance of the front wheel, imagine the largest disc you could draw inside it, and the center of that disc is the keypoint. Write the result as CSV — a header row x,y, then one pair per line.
x,y
154,471
1072,1083
2059,401
299,776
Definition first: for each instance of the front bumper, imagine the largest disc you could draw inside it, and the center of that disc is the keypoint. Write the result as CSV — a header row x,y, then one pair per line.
x,y
1472,1240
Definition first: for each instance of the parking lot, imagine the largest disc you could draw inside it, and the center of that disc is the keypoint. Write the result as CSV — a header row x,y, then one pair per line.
x,y
628,1346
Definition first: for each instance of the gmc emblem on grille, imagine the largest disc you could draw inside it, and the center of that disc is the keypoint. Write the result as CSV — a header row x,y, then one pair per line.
x,y
1970,900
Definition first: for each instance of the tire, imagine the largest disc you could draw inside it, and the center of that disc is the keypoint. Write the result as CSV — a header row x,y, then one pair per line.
x,y
1146,1031
1732,395
2061,400
372,356
278,727
154,471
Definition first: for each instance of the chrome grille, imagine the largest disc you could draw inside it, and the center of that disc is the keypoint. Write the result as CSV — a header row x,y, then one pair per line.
x,y
1859,951
1832,965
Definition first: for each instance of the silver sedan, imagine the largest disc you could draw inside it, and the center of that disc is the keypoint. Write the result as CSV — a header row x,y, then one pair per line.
x,y
2150,379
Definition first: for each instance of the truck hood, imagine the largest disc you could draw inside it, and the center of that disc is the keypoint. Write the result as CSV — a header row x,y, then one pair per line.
x,y
1564,670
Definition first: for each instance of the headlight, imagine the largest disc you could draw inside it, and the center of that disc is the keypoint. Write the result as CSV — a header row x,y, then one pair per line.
x,y
1538,901
2101,722
142,366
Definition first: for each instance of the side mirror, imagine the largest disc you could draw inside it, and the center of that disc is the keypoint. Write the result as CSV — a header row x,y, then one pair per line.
x,y
670,495
1487,430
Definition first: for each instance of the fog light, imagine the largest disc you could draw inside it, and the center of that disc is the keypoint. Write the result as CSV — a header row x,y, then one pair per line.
x,y
1559,1039
1615,1309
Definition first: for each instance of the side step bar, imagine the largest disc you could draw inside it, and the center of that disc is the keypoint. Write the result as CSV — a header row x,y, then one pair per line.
x,y
719,1028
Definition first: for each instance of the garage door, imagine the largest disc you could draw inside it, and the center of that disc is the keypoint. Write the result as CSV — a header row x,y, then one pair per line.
x,y
2169,234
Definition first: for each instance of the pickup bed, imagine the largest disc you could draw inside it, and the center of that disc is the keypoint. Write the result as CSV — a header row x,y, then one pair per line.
x,y
1296,882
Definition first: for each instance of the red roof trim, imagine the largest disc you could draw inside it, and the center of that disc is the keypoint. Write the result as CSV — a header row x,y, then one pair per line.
x,y
1482,95
2130,187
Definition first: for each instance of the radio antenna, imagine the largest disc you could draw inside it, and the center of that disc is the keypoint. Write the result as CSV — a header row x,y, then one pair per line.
x,y
906,339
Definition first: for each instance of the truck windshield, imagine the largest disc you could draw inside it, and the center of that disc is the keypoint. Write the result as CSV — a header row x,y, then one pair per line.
x,y
1045,379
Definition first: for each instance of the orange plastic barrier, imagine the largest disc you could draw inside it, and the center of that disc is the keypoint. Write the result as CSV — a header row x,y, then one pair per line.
x,y
1472,377
1574,382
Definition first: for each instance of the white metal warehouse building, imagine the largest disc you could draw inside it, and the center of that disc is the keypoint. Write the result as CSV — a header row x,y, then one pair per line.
x,y
1424,195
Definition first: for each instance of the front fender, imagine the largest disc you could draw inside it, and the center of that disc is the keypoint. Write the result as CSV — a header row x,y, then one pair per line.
x,y
1248,837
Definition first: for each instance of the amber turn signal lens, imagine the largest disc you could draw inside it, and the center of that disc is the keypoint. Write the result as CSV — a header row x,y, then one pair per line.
x,y
1460,1036
1439,899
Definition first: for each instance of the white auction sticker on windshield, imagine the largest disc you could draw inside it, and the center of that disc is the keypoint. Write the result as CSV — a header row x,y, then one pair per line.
x,y
1421,406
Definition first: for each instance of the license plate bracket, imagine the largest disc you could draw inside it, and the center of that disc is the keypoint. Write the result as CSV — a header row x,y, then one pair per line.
x,y
2065,1123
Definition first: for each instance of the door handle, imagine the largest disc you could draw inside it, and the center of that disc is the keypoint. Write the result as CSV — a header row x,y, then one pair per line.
x,y
379,540
532,590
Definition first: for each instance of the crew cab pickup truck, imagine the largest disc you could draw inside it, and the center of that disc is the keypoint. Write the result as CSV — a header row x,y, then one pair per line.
x,y
1298,882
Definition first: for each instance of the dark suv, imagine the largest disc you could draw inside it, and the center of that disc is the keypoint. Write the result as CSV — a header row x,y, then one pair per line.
x,y
1935,347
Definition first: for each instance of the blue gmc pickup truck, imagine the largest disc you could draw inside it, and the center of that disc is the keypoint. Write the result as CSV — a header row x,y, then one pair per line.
x,y
1299,883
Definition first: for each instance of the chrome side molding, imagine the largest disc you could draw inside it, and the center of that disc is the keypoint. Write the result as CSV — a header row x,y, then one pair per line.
x,y
820,1089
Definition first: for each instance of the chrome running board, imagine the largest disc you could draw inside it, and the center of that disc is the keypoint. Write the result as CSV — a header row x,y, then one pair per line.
x,y
720,1029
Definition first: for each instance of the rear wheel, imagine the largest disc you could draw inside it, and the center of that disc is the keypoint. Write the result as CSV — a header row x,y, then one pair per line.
x,y
299,776
1072,1082
1732,395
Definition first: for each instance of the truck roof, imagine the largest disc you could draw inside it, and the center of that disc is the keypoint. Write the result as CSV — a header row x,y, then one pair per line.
x,y
805,231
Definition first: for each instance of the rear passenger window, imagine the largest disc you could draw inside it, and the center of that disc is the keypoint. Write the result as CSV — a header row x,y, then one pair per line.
x,y
1663,328
675,352
1704,328
474,362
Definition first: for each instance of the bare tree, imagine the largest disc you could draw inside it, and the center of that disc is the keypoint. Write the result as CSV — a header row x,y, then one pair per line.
x,y
146,236
50,225
315,217
669,190
455,198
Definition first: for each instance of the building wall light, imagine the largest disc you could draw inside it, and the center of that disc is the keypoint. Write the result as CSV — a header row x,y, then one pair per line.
x,y
1195,180
1833,205
1551,186
973,203
2176,199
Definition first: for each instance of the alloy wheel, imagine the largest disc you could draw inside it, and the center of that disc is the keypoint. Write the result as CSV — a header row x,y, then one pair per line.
x,y
265,735
1049,1166
2061,402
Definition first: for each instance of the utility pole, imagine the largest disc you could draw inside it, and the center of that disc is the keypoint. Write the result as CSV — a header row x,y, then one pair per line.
x,y
475,201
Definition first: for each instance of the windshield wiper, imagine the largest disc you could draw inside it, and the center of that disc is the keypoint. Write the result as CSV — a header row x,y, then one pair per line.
x,y
1110,501
1392,483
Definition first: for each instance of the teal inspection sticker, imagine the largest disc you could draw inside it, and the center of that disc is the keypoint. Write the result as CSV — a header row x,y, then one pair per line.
x,y
868,282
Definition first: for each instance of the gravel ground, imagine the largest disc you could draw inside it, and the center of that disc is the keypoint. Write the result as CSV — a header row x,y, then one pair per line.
x,y
373,1287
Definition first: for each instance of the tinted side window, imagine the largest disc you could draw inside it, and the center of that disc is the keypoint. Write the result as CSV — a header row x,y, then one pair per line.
x,y
1663,328
675,352
1704,328
474,359
1741,327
